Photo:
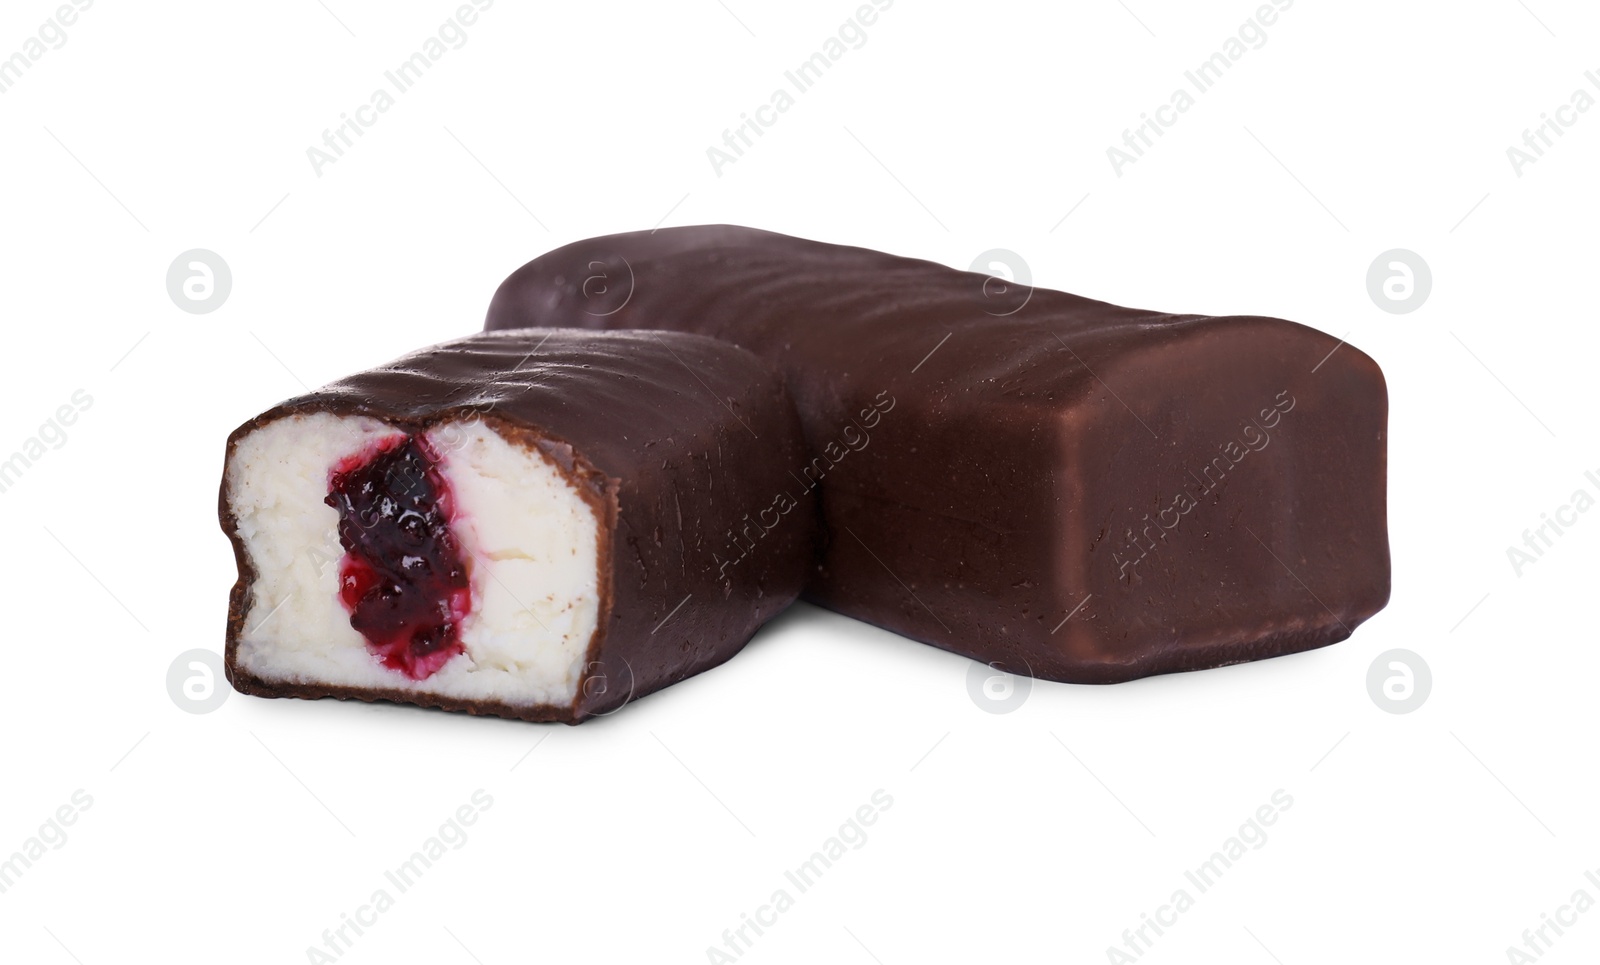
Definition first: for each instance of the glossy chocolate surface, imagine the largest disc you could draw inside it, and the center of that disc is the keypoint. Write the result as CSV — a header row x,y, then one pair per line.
x,y
1056,485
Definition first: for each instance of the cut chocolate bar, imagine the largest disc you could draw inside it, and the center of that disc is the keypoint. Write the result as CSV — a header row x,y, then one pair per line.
x,y
538,524
1051,484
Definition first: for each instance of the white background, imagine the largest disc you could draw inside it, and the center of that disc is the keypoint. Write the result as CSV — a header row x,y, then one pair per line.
x,y
1037,835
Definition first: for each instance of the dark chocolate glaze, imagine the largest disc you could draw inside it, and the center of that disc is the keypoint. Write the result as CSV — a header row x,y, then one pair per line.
x,y
676,440
1013,504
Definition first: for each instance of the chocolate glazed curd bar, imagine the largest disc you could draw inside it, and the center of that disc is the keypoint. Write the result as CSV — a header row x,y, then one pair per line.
x,y
531,524
1054,485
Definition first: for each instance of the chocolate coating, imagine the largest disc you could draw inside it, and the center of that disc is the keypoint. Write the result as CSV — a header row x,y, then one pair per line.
x,y
1063,487
676,440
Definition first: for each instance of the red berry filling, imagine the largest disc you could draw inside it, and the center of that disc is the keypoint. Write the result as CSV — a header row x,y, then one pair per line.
x,y
403,576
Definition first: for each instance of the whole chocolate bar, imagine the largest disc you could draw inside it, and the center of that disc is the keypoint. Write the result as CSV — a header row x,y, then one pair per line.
x,y
539,524
1047,483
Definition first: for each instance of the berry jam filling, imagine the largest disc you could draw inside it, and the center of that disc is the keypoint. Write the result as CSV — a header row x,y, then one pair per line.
x,y
403,576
